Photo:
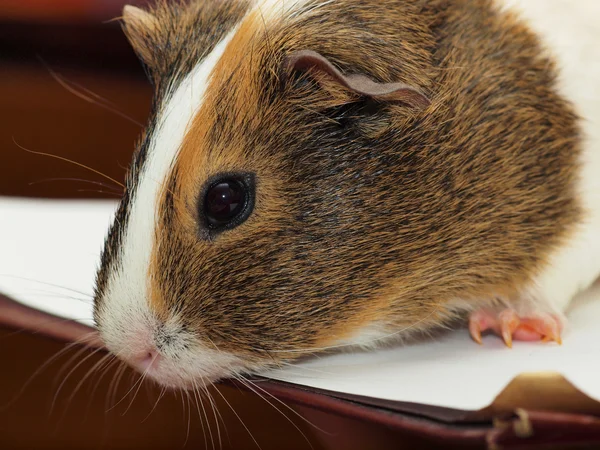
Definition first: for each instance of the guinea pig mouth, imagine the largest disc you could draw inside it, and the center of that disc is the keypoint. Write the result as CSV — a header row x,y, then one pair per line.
x,y
192,369
166,352
158,368
172,380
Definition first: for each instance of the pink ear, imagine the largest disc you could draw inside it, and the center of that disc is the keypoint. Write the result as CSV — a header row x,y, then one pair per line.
x,y
358,83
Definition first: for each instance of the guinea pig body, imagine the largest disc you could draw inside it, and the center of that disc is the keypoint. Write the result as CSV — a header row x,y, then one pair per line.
x,y
322,173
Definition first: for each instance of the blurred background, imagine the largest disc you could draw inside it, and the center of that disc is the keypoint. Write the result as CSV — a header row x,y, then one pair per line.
x,y
71,86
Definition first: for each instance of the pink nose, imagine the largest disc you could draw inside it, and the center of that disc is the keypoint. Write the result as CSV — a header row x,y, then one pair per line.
x,y
148,359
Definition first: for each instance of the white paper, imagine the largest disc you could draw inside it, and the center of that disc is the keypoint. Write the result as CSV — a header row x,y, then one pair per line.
x,y
454,371
49,252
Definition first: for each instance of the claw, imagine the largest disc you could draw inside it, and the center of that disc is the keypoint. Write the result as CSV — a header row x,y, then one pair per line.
x,y
547,326
552,337
556,339
509,322
479,321
507,338
475,331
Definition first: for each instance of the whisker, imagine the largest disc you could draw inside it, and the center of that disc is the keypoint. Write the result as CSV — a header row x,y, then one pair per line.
x,y
82,381
113,387
103,371
160,396
243,380
200,416
82,180
40,369
239,418
100,191
84,341
189,410
287,406
18,277
59,374
214,410
307,369
141,382
91,96
90,371
135,385
69,374
331,347
138,383
199,401
38,327
61,158
217,410
44,293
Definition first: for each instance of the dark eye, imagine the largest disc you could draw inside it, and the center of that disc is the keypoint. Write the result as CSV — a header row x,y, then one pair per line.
x,y
227,203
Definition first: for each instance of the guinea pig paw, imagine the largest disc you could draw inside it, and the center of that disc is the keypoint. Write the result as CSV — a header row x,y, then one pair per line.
x,y
508,325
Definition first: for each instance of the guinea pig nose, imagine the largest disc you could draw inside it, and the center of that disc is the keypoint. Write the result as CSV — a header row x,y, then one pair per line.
x,y
147,359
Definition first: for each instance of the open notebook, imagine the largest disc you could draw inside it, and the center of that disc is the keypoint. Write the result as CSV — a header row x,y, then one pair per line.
x,y
49,252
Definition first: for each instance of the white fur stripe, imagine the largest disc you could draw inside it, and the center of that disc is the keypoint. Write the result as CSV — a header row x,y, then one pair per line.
x,y
128,287
275,9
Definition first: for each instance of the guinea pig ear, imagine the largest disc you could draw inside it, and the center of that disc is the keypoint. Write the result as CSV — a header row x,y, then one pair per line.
x,y
360,84
140,27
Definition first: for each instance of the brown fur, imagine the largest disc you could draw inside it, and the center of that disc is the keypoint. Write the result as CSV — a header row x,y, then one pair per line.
x,y
368,212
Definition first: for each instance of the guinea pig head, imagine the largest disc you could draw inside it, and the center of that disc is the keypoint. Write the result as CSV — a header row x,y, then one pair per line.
x,y
253,229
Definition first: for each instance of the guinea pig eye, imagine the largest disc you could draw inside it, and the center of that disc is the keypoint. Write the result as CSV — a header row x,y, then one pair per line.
x,y
227,202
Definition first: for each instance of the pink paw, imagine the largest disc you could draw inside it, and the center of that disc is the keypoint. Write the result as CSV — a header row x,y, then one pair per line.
x,y
508,325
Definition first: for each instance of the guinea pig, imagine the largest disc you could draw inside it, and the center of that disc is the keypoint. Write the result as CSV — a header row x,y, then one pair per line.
x,y
326,173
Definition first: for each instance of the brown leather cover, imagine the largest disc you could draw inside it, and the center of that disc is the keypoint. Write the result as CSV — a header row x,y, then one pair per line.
x,y
535,411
